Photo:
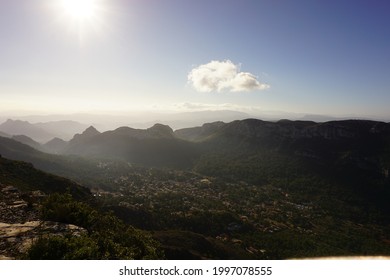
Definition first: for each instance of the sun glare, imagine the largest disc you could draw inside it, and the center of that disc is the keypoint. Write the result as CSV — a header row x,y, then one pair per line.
x,y
80,9
82,17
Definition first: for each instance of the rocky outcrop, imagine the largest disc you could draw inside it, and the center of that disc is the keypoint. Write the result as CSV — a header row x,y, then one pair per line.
x,y
16,239
18,207
20,224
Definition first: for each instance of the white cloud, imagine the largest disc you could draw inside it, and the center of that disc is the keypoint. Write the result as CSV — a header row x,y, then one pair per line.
x,y
223,75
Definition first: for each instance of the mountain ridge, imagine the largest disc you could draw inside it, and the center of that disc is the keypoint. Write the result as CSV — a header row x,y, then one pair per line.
x,y
40,132
17,127
131,144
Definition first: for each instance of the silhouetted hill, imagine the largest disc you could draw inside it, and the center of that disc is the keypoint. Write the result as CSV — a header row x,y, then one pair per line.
x,y
363,143
199,133
13,149
54,146
155,146
278,134
70,167
160,131
28,141
2,134
89,132
82,139
321,118
27,178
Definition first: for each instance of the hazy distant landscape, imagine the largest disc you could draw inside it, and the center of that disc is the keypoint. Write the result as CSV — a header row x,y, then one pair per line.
x,y
246,189
170,129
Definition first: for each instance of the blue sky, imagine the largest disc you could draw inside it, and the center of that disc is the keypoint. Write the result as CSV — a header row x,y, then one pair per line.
x,y
321,57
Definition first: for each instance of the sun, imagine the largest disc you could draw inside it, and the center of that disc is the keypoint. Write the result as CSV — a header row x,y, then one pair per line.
x,y
84,18
80,10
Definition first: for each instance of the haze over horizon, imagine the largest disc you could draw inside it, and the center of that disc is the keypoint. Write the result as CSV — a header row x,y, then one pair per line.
x,y
120,57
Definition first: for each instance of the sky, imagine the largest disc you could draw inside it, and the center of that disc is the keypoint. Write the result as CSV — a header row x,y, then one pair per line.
x,y
316,57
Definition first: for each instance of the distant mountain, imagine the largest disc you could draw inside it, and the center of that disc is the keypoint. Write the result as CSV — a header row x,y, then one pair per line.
x,y
159,131
155,146
160,146
354,153
200,132
322,118
141,120
54,146
28,141
57,164
198,118
255,130
42,132
85,135
2,134
16,150
16,127
358,145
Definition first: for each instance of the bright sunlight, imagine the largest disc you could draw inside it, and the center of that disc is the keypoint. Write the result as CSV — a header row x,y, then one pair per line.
x,y
82,17
80,9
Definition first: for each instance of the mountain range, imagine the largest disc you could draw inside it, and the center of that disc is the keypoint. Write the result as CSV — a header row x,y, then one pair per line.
x,y
249,149
298,137
297,188
159,145
41,132
141,120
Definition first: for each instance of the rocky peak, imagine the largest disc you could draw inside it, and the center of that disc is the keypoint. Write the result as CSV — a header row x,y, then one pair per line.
x,y
90,131
160,131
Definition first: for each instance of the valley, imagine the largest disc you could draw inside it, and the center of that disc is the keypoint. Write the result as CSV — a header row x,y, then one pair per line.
x,y
241,190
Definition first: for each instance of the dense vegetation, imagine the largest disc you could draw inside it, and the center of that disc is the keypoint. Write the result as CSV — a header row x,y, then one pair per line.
x,y
106,236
